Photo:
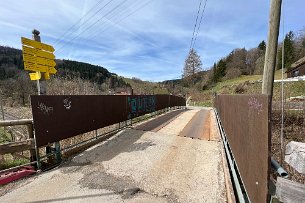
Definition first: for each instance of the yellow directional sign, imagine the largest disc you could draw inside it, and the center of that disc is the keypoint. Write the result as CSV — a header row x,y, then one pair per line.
x,y
38,60
41,68
38,57
47,75
34,67
52,70
35,44
35,76
38,52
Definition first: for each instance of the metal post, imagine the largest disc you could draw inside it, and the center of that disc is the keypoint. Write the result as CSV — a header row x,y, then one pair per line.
x,y
57,152
36,37
34,153
2,111
41,85
2,108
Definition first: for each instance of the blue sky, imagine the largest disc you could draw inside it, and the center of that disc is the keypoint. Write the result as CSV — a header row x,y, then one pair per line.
x,y
150,44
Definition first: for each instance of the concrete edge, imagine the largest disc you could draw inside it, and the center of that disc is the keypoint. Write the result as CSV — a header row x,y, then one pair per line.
x,y
228,183
214,131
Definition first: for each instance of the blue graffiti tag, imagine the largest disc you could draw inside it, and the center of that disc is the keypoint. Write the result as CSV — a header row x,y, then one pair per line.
x,y
140,105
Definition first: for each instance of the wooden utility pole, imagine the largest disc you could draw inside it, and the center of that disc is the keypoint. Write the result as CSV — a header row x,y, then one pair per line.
x,y
271,50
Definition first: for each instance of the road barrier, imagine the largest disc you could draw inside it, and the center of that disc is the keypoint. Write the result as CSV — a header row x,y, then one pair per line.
x,y
246,123
60,117
56,118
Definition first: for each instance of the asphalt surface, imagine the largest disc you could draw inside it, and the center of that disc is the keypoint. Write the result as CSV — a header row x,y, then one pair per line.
x,y
135,166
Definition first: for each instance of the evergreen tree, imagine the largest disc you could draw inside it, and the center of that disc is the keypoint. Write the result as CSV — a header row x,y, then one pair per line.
x,y
214,77
222,67
262,46
192,64
289,52
219,70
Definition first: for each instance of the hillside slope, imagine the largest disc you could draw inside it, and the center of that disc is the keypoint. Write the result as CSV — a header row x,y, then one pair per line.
x,y
247,84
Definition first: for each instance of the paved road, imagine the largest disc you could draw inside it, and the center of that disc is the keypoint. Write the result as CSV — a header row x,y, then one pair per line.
x,y
136,166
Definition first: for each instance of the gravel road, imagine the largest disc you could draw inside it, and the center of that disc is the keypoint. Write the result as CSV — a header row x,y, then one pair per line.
x,y
135,166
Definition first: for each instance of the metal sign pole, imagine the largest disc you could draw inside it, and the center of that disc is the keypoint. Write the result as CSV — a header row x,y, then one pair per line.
x,y
42,90
36,37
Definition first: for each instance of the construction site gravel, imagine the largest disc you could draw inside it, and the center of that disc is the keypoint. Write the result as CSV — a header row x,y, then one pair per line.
x,y
137,166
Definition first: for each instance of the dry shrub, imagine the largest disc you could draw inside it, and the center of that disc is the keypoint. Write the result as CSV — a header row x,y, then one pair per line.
x,y
77,86
232,73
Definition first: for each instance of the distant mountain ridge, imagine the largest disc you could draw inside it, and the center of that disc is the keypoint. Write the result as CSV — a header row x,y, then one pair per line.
x,y
11,63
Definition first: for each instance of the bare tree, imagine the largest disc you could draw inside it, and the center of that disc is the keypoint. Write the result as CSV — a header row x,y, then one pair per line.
x,y
192,64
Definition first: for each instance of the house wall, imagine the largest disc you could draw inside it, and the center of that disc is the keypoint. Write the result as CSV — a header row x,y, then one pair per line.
x,y
301,70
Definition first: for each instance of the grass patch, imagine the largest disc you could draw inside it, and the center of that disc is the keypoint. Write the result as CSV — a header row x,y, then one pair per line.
x,y
10,161
4,136
7,160
291,89
207,103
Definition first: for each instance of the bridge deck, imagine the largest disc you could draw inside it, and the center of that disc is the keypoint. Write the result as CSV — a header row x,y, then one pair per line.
x,y
135,166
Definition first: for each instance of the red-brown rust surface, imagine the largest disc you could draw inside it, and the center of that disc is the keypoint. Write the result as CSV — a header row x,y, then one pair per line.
x,y
198,127
246,122
58,117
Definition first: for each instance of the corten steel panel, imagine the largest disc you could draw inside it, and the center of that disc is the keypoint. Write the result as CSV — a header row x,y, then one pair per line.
x,y
176,101
162,101
61,117
246,121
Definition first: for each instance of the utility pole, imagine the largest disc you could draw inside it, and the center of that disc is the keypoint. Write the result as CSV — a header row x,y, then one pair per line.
x,y
271,50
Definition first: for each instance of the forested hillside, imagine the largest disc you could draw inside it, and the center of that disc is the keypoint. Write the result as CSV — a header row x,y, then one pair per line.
x,y
72,77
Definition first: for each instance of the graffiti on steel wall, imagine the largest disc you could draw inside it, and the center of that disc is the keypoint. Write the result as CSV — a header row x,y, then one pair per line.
x,y
67,103
255,104
139,105
44,108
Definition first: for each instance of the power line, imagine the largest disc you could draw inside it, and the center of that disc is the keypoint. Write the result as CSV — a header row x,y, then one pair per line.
x,y
99,10
90,26
199,8
198,28
109,20
78,21
122,18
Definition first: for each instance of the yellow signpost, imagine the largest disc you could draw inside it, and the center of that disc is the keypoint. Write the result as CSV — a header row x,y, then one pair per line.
x,y
37,45
35,76
38,52
38,57
38,60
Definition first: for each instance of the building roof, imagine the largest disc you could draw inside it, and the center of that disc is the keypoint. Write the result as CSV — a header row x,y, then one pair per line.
x,y
296,64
